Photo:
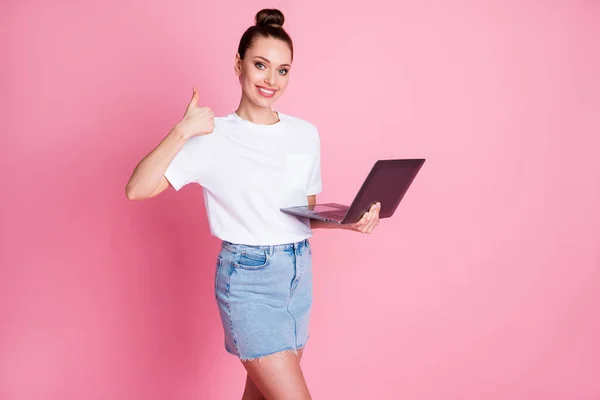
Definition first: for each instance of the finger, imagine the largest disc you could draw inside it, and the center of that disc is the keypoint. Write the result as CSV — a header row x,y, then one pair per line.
x,y
360,225
363,220
374,220
372,225
367,221
369,214
194,100
366,218
375,211
369,227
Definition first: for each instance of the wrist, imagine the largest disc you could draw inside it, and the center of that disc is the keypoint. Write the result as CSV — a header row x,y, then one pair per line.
x,y
178,132
348,227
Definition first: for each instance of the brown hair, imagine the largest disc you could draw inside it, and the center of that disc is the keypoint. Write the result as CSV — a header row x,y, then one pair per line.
x,y
269,24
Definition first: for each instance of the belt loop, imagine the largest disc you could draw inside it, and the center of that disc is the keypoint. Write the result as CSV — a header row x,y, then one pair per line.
x,y
271,251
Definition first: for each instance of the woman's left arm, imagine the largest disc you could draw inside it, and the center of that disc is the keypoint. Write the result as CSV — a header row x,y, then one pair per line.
x,y
367,223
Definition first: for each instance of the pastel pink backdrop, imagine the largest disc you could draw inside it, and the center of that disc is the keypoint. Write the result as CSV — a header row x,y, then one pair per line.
x,y
484,285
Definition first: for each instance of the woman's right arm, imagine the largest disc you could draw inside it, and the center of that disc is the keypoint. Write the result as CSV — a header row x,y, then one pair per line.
x,y
148,178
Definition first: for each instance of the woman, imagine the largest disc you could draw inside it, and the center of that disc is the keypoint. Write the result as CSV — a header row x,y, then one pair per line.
x,y
250,164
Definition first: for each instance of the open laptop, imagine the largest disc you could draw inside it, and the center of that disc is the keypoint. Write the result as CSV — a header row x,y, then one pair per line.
x,y
387,184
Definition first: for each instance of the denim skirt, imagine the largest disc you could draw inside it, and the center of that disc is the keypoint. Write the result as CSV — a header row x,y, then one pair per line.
x,y
264,295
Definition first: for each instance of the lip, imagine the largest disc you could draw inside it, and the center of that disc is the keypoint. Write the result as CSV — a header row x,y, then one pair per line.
x,y
268,96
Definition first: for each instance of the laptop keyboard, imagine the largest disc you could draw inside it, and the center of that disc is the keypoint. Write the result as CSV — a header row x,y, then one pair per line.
x,y
333,214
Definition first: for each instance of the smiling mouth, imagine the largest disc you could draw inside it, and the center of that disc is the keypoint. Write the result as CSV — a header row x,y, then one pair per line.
x,y
266,92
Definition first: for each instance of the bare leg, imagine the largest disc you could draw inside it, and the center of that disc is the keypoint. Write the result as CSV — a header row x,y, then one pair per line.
x,y
276,365
251,392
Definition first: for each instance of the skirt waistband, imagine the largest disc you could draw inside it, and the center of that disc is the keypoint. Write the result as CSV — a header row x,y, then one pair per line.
x,y
275,248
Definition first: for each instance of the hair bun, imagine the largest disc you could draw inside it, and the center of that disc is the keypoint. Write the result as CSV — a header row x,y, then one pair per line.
x,y
269,17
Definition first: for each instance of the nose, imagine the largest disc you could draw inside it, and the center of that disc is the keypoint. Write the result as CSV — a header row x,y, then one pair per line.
x,y
270,78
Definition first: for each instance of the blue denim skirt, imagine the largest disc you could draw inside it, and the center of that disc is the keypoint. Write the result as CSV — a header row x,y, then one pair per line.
x,y
264,295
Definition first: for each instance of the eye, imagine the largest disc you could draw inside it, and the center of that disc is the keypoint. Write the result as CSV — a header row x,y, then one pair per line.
x,y
283,71
259,65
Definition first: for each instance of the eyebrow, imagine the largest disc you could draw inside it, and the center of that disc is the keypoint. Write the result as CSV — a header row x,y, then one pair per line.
x,y
267,60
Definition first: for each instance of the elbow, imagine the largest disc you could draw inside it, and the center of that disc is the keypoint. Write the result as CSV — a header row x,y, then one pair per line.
x,y
132,194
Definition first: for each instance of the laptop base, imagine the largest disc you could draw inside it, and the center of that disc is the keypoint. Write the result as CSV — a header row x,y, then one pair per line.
x,y
330,212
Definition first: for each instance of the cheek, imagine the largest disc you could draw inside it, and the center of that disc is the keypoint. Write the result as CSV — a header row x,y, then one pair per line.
x,y
252,75
283,82
249,79
245,81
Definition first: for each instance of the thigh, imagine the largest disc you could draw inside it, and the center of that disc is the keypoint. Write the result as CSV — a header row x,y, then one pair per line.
x,y
251,392
279,376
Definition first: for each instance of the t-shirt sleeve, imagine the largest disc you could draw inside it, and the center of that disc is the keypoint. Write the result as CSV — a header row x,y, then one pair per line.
x,y
189,163
315,184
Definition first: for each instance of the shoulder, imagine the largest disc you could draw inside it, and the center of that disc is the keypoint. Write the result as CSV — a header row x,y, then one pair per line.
x,y
220,123
303,126
225,118
223,121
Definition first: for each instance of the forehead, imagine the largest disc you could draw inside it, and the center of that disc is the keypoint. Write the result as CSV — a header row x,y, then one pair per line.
x,y
275,50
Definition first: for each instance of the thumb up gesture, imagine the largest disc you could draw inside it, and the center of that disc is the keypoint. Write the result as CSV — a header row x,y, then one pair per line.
x,y
197,120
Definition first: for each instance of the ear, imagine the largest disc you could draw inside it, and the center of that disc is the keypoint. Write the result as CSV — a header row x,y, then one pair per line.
x,y
237,66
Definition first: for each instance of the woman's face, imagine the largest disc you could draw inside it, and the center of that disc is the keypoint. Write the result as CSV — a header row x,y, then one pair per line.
x,y
264,71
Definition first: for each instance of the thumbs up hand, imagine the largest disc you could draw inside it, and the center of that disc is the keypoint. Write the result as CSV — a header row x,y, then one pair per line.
x,y
197,121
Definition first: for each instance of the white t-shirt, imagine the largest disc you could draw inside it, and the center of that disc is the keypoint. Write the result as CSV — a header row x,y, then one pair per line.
x,y
248,172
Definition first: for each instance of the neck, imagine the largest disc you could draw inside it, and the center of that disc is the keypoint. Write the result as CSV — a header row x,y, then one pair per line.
x,y
259,115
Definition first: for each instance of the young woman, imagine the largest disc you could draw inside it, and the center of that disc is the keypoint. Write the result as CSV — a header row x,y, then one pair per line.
x,y
251,163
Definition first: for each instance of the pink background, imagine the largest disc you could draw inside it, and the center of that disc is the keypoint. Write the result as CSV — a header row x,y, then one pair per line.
x,y
484,285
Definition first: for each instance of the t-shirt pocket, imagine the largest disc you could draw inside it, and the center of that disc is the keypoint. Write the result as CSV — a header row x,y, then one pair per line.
x,y
298,170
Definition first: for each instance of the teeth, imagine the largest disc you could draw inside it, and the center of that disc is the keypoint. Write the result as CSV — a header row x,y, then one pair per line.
x,y
266,91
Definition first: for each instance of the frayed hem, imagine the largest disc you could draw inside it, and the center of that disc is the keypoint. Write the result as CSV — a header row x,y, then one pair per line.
x,y
276,354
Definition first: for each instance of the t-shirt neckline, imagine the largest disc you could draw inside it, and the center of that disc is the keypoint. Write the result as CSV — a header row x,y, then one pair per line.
x,y
265,127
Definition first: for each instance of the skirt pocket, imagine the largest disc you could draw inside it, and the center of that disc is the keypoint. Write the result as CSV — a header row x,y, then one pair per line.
x,y
252,259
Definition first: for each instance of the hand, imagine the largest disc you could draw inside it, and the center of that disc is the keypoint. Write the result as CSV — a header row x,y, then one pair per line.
x,y
369,220
196,121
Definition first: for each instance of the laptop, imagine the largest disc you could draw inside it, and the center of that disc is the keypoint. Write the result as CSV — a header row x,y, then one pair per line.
x,y
387,184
